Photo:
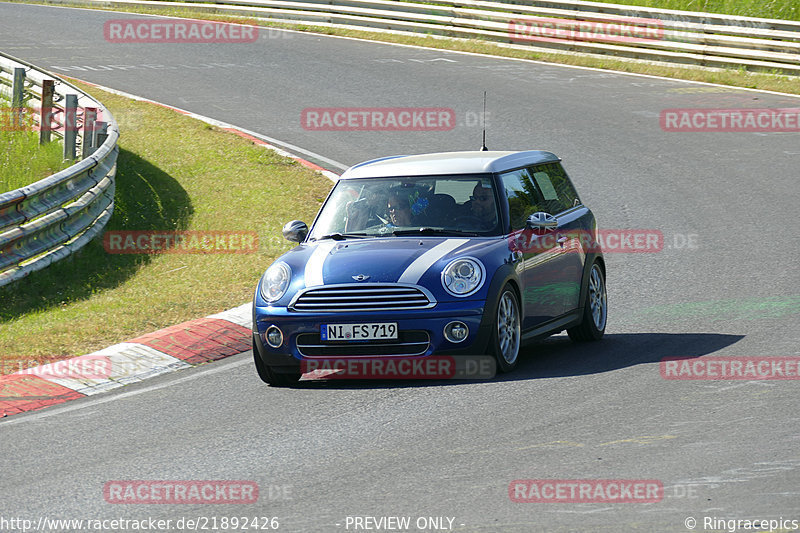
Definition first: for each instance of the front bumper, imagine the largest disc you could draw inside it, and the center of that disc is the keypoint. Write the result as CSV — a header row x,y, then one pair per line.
x,y
430,321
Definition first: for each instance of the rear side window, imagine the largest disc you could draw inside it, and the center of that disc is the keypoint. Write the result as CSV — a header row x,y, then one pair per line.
x,y
545,188
524,197
557,190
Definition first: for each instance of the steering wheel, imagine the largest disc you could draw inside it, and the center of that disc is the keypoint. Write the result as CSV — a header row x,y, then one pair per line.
x,y
468,220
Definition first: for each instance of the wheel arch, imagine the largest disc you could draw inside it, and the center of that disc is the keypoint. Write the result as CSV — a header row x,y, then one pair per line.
x,y
587,267
504,274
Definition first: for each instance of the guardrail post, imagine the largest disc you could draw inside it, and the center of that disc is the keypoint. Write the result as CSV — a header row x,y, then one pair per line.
x,y
87,140
70,125
46,111
99,134
17,97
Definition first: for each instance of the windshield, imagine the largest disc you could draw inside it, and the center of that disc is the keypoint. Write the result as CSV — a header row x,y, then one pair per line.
x,y
399,206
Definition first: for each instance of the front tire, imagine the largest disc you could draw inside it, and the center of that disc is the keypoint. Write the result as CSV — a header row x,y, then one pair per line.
x,y
269,376
507,331
595,309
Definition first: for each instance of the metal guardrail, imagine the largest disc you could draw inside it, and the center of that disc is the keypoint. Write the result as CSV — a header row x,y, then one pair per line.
x,y
54,217
704,39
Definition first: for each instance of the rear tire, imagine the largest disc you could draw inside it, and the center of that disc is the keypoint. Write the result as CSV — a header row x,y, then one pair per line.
x,y
507,334
595,309
269,376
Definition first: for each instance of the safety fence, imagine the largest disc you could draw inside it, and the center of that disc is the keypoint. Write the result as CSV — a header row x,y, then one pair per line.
x,y
56,216
568,26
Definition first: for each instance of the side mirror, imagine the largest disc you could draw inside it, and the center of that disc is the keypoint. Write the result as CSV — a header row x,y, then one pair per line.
x,y
295,231
540,220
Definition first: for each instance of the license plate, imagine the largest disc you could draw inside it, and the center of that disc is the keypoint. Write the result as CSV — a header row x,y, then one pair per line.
x,y
358,332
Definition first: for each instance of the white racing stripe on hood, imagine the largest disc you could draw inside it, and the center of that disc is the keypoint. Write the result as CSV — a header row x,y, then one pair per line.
x,y
313,272
422,263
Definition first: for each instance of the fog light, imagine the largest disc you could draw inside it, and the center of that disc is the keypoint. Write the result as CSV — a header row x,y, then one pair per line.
x,y
274,336
456,332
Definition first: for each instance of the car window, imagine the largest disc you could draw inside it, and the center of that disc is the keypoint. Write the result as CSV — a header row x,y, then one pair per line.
x,y
557,190
524,196
459,190
384,206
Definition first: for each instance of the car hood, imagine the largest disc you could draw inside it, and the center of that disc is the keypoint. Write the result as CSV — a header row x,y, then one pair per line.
x,y
387,260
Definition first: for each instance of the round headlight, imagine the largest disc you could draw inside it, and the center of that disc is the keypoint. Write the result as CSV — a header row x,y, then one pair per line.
x,y
462,276
275,282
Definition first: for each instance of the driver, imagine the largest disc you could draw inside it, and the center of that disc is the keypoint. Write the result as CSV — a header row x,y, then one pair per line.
x,y
482,205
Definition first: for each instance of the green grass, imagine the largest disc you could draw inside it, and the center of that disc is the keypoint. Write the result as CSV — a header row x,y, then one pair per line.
x,y
772,9
22,160
174,173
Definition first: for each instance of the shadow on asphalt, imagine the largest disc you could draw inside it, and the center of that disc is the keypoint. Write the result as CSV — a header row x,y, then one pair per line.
x,y
560,357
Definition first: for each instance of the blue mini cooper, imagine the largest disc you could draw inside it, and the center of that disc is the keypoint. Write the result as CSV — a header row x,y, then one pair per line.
x,y
446,254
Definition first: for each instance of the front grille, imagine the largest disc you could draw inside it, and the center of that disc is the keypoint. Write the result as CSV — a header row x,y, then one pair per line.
x,y
362,297
408,343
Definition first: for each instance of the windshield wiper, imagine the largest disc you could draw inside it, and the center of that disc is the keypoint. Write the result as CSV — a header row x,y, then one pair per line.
x,y
342,236
434,231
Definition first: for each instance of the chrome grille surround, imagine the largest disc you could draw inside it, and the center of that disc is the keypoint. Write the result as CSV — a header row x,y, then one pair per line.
x,y
362,297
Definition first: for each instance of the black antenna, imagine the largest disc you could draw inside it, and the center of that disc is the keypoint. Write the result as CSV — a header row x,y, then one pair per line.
x,y
483,120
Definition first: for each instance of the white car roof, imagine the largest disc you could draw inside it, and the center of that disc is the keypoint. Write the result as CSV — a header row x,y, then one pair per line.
x,y
445,163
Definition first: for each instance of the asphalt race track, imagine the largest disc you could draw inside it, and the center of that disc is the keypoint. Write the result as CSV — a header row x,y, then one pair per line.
x,y
725,284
